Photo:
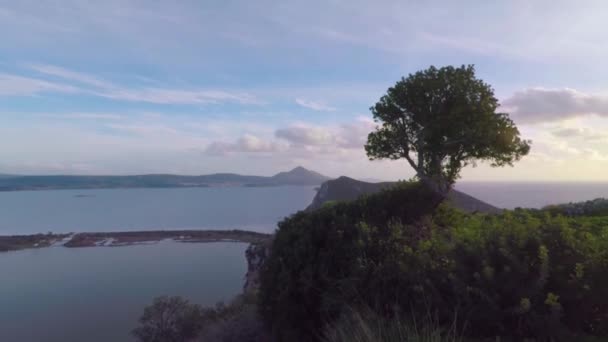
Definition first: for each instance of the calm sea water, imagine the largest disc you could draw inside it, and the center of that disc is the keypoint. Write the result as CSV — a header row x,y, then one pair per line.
x,y
533,195
97,294
259,209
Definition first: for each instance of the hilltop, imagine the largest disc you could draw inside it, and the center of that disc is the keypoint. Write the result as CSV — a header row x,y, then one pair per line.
x,y
297,176
346,189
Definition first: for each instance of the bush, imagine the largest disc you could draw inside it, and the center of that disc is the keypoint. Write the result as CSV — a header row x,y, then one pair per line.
x,y
596,207
174,319
238,321
521,274
170,319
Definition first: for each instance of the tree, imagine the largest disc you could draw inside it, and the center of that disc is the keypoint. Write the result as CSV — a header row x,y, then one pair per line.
x,y
441,120
170,319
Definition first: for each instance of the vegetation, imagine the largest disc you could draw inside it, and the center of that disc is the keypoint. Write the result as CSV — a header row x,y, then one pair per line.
x,y
446,117
364,325
174,319
170,319
596,207
522,273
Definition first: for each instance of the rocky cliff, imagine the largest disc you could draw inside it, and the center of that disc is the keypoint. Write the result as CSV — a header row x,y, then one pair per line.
x,y
256,255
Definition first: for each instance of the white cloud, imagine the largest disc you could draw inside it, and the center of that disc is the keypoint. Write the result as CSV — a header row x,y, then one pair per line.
x,y
315,105
12,85
304,142
348,136
586,134
70,75
84,83
246,144
86,116
543,105
306,135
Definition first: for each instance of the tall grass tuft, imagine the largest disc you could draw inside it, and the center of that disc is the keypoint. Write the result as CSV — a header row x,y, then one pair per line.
x,y
364,325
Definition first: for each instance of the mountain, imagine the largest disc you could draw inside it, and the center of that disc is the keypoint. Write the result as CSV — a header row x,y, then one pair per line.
x,y
297,176
300,176
346,189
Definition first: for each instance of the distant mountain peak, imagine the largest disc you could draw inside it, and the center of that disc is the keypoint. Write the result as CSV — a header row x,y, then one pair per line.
x,y
300,175
299,169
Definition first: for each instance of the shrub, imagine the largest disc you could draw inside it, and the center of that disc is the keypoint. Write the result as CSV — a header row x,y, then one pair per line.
x,y
521,273
170,319
238,321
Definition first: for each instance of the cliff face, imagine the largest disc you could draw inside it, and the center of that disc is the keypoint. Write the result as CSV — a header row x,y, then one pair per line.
x,y
256,255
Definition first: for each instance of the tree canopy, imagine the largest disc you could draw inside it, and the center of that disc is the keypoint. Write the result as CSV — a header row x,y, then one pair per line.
x,y
441,120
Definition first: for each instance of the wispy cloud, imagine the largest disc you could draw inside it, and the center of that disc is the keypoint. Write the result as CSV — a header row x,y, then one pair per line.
x,y
83,83
12,85
314,105
87,116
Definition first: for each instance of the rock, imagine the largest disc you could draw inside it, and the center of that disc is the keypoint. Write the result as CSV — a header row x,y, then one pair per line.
x,y
256,255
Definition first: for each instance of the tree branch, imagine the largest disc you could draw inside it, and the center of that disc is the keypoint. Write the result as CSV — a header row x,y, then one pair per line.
x,y
409,160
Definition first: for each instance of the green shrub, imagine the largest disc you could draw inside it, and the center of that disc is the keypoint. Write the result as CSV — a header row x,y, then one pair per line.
x,y
596,207
522,273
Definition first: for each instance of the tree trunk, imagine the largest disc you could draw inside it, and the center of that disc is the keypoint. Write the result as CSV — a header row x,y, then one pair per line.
x,y
438,185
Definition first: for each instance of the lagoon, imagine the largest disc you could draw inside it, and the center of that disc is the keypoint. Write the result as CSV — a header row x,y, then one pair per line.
x,y
63,211
61,294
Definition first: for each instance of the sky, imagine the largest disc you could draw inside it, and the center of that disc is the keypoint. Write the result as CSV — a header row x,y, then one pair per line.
x,y
258,87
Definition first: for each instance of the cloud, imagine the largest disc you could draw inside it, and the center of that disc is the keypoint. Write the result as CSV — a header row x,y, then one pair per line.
x,y
314,105
91,116
246,144
70,75
586,134
348,135
304,134
306,141
84,83
544,105
12,85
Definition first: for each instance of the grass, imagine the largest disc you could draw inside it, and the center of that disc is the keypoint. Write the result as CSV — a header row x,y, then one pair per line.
x,y
366,326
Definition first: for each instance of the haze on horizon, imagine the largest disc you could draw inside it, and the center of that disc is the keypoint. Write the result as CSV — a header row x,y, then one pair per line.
x,y
128,87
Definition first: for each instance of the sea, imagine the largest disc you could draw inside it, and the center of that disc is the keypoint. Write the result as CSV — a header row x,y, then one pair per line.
x,y
97,294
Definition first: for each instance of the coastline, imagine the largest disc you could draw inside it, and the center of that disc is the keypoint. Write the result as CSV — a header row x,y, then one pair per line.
x,y
127,238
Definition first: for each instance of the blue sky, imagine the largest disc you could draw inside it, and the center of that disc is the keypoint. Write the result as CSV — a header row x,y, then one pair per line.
x,y
193,87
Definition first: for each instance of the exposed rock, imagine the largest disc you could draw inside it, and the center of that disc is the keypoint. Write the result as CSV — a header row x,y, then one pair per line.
x,y
256,255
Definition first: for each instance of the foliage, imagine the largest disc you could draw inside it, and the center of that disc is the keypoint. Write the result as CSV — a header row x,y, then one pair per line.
x,y
238,321
596,207
174,319
170,319
446,117
364,325
520,274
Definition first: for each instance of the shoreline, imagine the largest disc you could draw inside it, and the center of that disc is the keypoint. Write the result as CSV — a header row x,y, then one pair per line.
x,y
127,238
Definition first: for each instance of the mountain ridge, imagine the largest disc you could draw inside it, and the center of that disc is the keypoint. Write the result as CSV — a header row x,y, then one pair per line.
x,y
296,176
345,189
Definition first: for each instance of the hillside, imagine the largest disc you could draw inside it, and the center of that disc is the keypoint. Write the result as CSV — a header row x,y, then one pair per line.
x,y
346,189
297,176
